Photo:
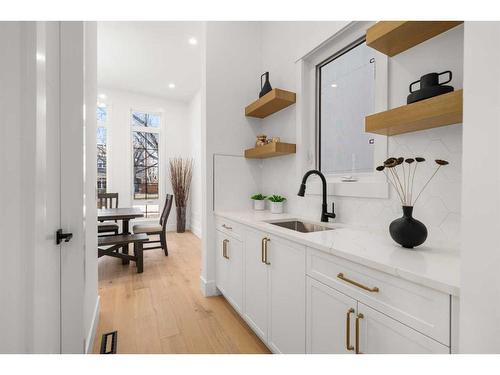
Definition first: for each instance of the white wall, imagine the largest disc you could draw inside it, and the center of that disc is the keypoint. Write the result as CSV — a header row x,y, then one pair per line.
x,y
439,207
176,140
91,303
194,113
14,326
45,288
480,277
230,80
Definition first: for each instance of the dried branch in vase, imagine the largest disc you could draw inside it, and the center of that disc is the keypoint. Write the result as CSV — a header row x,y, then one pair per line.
x,y
400,173
181,173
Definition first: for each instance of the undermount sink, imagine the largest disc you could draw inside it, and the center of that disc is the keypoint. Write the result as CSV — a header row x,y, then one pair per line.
x,y
301,226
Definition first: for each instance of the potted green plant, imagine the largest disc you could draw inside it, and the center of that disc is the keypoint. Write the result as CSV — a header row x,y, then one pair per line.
x,y
277,202
259,202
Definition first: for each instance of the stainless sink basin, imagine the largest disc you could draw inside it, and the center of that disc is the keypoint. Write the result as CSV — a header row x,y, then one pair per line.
x,y
301,226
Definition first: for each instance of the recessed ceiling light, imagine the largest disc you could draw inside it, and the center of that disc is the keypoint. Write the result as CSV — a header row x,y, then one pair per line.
x,y
334,85
40,57
102,96
193,41
171,85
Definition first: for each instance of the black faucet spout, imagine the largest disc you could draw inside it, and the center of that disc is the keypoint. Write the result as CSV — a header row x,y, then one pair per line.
x,y
325,215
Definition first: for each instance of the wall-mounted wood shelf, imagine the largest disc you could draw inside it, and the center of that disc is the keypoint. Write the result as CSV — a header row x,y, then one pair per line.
x,y
272,102
270,150
393,37
430,113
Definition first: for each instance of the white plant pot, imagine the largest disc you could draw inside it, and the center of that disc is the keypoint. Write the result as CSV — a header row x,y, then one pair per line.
x,y
259,205
277,207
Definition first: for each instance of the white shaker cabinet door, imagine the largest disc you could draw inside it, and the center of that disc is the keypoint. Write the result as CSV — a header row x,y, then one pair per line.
x,y
256,284
380,334
234,281
330,320
221,264
287,296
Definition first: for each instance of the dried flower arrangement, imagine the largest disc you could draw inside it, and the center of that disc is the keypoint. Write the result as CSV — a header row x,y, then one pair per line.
x,y
401,174
181,173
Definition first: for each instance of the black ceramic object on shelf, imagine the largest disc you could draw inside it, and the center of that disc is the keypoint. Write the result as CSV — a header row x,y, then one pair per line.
x,y
266,87
429,87
407,231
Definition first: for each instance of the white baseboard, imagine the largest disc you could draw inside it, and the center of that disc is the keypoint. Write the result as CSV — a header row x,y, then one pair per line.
x,y
172,227
208,288
89,341
196,229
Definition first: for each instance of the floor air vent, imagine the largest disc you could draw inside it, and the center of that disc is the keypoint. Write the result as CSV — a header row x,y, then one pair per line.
x,y
109,342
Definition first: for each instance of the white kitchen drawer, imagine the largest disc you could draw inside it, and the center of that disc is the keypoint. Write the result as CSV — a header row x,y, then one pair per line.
x,y
424,309
229,227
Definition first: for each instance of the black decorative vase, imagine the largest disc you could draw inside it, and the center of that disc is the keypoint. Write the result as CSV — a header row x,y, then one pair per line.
x,y
266,86
429,87
407,231
181,219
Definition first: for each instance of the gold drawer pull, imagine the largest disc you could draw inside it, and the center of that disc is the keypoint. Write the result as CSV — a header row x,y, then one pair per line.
x,y
264,260
342,277
348,345
262,257
224,248
360,316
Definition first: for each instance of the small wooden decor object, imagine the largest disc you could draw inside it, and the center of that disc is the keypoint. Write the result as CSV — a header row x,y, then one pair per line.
x,y
430,113
272,102
270,150
393,37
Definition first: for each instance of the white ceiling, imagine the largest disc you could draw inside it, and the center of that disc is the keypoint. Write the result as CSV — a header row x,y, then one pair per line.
x,y
144,57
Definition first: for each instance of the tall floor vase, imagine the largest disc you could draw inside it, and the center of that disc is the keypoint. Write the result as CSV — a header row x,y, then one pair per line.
x,y
181,219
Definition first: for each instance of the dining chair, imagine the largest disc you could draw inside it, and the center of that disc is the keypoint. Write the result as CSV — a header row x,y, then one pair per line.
x,y
157,229
107,200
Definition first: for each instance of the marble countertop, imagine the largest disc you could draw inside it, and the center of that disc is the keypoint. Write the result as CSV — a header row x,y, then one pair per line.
x,y
436,267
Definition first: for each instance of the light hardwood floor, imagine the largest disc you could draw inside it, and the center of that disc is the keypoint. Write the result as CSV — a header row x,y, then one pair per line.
x,y
163,311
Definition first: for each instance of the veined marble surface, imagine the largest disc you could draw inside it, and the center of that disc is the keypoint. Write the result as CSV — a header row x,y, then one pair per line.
x,y
436,267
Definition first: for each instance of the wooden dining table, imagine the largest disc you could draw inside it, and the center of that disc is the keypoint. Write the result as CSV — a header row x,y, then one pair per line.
x,y
123,214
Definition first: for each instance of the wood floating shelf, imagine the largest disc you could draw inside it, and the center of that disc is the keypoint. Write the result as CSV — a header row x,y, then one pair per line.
x,y
270,150
430,113
393,37
272,102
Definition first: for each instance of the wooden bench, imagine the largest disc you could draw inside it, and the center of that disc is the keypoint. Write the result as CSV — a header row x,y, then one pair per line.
x,y
117,241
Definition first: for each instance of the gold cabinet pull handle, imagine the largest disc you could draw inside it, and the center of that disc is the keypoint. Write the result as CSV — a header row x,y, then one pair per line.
x,y
266,240
358,318
224,248
342,277
348,345
262,259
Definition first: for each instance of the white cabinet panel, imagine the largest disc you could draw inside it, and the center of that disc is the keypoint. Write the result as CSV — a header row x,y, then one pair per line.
x,y
221,266
380,334
255,284
229,272
235,273
425,309
287,295
330,315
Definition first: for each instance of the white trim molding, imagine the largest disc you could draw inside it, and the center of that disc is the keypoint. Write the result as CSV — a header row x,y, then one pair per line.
x,y
89,341
208,288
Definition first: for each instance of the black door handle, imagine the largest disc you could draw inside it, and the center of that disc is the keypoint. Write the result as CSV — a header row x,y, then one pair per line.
x,y
60,236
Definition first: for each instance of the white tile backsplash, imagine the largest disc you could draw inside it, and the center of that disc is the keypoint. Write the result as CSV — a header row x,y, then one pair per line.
x,y
439,205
